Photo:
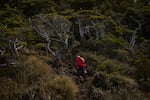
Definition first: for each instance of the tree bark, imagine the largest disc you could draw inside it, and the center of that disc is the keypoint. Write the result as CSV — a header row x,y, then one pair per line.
x,y
133,37
2,50
81,30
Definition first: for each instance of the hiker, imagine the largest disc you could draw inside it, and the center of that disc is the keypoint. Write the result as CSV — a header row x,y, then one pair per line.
x,y
81,65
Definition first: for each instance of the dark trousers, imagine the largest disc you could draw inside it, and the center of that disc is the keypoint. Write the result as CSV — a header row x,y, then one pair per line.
x,y
81,71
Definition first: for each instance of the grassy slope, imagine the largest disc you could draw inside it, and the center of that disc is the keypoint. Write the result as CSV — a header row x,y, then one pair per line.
x,y
115,72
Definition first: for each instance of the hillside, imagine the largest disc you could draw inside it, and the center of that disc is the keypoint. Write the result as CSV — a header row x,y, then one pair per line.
x,y
40,39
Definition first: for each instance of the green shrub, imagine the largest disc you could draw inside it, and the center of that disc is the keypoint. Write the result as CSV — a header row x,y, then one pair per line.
x,y
104,47
99,94
143,73
115,86
122,55
111,66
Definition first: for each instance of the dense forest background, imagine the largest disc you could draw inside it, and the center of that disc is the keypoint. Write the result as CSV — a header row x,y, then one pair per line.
x,y
39,40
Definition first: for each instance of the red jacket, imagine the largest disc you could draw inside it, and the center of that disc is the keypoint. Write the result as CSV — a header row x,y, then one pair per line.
x,y
80,62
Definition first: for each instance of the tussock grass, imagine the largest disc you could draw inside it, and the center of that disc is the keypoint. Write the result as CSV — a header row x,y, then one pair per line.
x,y
32,78
38,66
62,88
30,70
8,89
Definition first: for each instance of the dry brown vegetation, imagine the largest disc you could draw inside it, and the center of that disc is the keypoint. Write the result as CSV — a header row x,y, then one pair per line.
x,y
39,40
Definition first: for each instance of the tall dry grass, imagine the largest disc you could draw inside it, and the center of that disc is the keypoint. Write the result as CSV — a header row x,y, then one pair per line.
x,y
34,79
62,88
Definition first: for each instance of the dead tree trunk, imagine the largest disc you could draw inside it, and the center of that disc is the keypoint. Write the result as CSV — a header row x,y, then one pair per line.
x,y
14,47
2,50
53,28
133,37
82,38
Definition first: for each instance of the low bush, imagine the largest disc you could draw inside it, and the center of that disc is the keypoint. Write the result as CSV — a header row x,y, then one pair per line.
x,y
117,87
29,70
103,46
9,89
62,88
143,73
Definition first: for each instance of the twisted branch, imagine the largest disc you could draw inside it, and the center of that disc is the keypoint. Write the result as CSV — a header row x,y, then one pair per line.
x,y
133,37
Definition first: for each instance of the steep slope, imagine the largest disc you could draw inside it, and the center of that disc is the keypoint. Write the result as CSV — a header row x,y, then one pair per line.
x,y
39,41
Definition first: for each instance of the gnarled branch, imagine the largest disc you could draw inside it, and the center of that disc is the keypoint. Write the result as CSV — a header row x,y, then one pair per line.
x,y
53,28
17,46
133,37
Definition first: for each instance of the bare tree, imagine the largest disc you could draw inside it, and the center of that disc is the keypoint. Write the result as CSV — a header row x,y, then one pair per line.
x,y
84,30
81,29
53,28
17,46
99,28
14,47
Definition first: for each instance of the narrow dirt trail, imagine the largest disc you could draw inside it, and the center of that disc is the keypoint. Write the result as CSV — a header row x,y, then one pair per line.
x,y
69,69
84,86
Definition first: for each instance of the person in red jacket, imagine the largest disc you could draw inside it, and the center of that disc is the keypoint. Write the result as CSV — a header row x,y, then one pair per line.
x,y
81,65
